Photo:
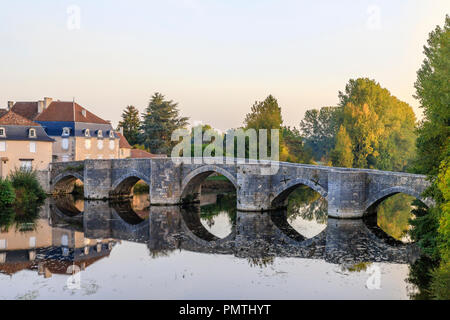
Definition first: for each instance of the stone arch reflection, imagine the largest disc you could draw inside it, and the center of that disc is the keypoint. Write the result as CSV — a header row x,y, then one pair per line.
x,y
392,214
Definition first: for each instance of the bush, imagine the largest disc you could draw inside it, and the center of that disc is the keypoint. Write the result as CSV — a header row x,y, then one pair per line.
x,y
7,195
27,180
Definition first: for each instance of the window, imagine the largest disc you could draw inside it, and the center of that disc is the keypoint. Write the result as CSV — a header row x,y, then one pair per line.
x,y
3,257
2,244
32,242
87,143
26,165
65,158
32,133
2,145
111,134
66,131
33,147
87,133
100,144
65,143
64,240
2,132
100,134
111,144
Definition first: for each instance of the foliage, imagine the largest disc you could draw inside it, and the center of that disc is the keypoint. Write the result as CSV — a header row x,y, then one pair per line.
x,y
431,225
394,214
131,124
381,127
298,152
27,180
319,128
161,118
342,155
141,188
7,194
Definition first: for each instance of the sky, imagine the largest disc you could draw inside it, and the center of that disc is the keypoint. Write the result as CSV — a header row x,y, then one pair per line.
x,y
215,58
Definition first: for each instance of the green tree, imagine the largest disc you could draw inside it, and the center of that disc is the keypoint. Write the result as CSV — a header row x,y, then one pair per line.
x,y
161,118
342,155
319,127
295,144
7,194
382,127
431,225
131,124
266,115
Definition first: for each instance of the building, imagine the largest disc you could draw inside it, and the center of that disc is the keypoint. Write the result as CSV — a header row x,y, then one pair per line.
x,y
23,144
124,147
78,133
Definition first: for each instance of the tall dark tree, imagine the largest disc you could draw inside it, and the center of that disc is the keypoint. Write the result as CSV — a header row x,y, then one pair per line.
x,y
160,119
131,124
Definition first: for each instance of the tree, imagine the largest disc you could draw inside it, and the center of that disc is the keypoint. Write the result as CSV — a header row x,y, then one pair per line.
x,y
131,124
297,150
161,118
382,127
431,225
342,155
265,115
319,127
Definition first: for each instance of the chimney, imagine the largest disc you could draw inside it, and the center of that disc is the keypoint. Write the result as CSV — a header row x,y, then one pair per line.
x,y
40,106
10,105
47,102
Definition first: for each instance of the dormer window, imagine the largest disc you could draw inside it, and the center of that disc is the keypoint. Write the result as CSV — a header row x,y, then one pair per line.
x,y
32,133
100,133
66,131
83,113
111,134
2,132
87,133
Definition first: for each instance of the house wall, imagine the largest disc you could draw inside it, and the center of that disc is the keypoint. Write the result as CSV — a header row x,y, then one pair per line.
x,y
16,150
95,152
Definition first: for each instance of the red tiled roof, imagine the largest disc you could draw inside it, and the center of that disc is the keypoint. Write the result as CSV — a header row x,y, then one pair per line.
x,y
68,111
137,153
123,142
13,119
28,110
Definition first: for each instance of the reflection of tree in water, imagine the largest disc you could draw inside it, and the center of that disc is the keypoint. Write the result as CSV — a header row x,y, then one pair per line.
x,y
23,214
307,204
225,203
393,215
358,267
261,262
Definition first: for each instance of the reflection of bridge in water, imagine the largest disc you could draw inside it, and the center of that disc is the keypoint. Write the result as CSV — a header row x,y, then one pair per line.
x,y
254,235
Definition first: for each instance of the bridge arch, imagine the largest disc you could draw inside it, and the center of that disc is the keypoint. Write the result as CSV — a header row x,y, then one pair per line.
x,y
123,185
191,184
282,192
378,197
64,183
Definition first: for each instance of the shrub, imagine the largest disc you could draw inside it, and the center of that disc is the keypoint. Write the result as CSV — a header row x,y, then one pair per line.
x,y
27,180
7,194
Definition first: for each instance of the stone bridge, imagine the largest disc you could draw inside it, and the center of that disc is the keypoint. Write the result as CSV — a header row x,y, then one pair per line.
x,y
260,186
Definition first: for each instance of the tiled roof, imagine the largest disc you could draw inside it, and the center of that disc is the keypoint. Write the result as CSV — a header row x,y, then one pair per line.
x,y
28,110
123,142
2,112
137,153
13,119
68,111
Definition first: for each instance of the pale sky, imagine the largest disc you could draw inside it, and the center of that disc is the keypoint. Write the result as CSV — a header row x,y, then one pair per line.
x,y
213,57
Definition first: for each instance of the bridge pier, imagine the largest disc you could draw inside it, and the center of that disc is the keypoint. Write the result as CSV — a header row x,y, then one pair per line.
x,y
346,194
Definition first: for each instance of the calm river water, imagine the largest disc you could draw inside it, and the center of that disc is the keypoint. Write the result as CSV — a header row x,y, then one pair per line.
x,y
130,250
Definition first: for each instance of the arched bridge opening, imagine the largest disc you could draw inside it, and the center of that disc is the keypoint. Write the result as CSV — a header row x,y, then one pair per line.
x,y
68,183
390,212
300,209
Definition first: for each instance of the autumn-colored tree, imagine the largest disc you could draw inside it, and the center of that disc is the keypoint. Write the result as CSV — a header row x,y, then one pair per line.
x,y
342,154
